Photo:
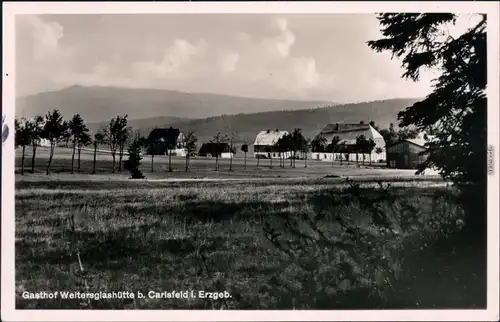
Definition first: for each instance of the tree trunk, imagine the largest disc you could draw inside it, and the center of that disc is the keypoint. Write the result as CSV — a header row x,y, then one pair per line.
x,y
52,148
216,162
245,160
73,158
152,162
231,162
187,162
169,160
95,156
33,159
120,158
22,160
113,154
79,158
305,158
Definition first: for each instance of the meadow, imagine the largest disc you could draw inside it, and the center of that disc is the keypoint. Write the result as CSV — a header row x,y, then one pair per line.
x,y
303,238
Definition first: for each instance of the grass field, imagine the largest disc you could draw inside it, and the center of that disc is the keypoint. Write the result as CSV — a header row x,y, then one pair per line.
x,y
215,236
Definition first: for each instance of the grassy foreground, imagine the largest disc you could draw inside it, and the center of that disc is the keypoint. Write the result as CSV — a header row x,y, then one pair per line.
x,y
259,241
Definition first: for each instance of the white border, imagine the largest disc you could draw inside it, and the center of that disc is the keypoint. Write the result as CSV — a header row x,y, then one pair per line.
x,y
8,98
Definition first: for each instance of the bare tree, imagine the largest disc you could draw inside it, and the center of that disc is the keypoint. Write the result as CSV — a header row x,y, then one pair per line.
x,y
113,135
99,138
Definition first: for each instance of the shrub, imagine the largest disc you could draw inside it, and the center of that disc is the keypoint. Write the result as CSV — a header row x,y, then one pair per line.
x,y
346,250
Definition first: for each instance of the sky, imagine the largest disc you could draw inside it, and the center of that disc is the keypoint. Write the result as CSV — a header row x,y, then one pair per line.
x,y
308,57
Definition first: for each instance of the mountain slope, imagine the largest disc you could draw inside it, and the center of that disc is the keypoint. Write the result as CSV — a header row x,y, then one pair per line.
x,y
311,121
96,104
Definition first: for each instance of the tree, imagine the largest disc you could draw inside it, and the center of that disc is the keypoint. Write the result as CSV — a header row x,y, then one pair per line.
x,y
190,145
170,142
407,133
22,138
152,140
99,138
123,139
113,134
370,145
219,140
306,147
134,158
297,142
333,147
35,131
457,107
85,140
244,149
54,130
232,149
362,144
379,150
319,143
285,144
78,131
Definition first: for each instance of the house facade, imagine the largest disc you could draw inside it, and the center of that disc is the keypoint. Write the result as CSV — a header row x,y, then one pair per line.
x,y
265,145
165,141
406,154
213,149
347,133
43,142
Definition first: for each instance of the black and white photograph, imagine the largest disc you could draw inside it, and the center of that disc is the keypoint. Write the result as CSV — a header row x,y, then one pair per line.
x,y
278,159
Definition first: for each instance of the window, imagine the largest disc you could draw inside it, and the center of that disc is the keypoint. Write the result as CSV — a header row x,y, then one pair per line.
x,y
392,163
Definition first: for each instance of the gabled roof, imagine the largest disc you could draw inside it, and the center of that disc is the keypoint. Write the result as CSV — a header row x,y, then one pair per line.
x,y
344,127
212,147
420,140
165,133
269,137
349,129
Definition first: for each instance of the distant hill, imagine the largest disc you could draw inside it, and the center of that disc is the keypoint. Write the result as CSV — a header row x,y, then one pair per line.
x,y
311,121
96,104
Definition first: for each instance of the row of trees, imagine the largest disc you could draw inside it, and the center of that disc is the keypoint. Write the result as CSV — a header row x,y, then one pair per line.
x,y
362,146
54,129
117,135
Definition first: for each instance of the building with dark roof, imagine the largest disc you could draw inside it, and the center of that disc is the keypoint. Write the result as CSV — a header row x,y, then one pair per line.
x,y
212,149
407,153
163,141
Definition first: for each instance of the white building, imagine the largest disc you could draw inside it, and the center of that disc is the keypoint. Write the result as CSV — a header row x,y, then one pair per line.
x,y
265,145
347,133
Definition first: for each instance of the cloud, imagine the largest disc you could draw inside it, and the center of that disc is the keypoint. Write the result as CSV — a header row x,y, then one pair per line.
x,y
320,57
228,61
44,36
